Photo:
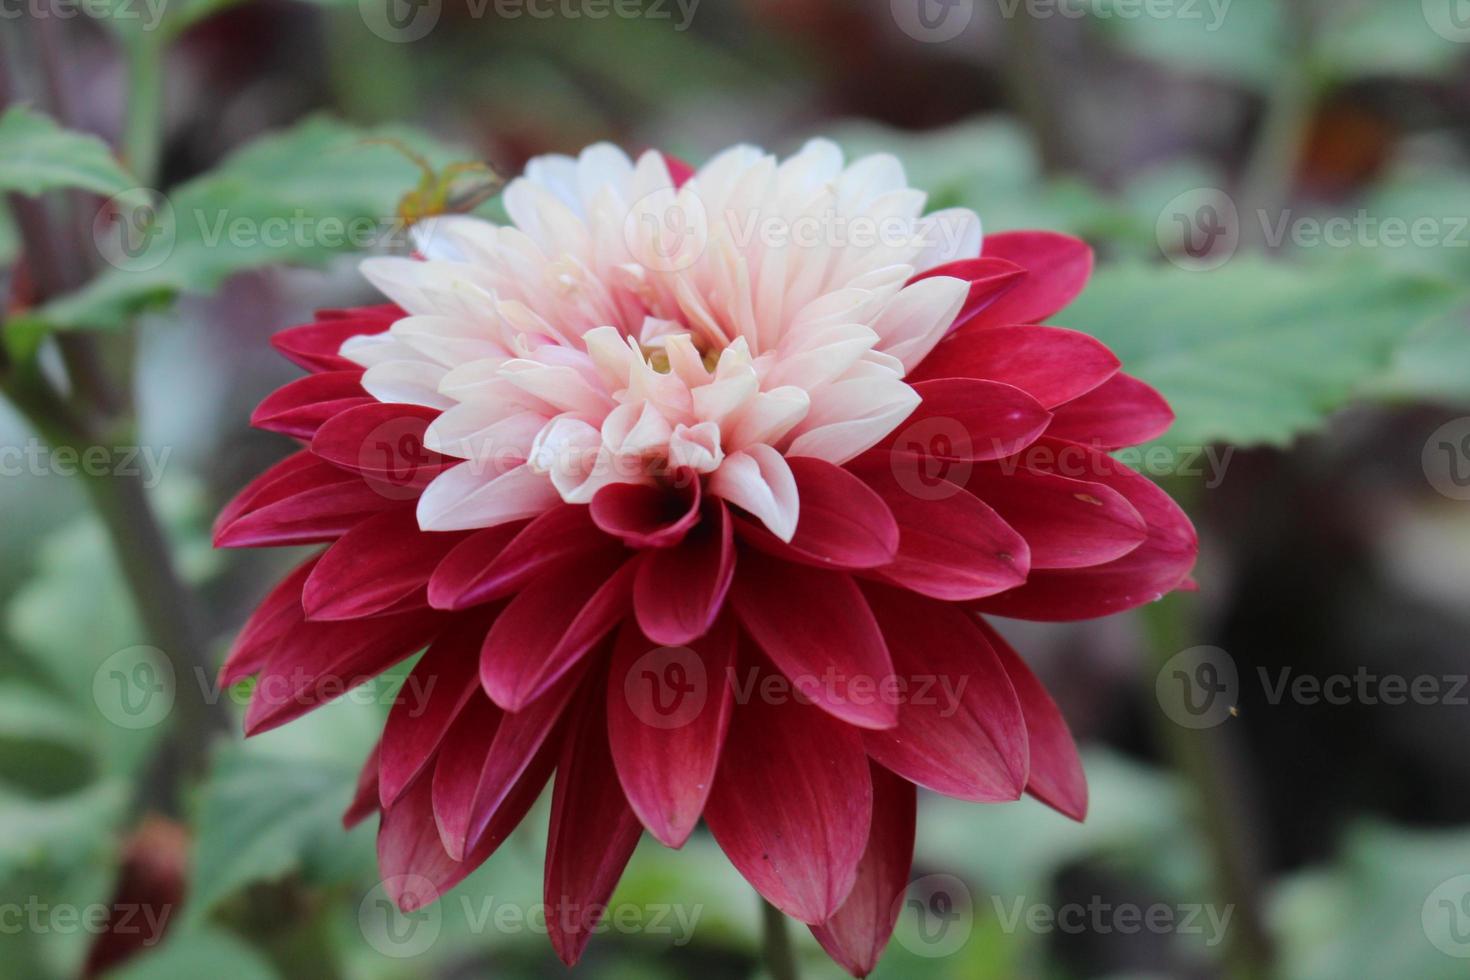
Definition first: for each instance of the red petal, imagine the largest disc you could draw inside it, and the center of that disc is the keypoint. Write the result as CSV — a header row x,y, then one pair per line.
x,y
298,501
501,560
1146,573
679,591
1066,523
951,545
454,583
593,830
856,935
989,280
314,346
1056,777
843,523
668,711
299,408
964,418
678,169
433,695
816,628
376,565
1050,364
365,797
646,516
457,767
278,614
382,441
537,638
1057,267
1123,412
960,727
792,804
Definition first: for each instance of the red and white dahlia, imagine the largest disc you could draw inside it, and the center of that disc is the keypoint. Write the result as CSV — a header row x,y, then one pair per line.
x,y
695,485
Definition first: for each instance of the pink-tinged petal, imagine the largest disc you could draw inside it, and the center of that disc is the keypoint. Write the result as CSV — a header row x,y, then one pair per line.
x,y
432,696
678,169
314,346
679,591
646,516
381,562
416,869
470,496
856,934
792,804
966,418
960,729
365,796
759,479
989,280
316,663
816,628
593,830
457,581
1145,574
668,711
1066,523
300,500
1122,412
381,441
301,407
538,638
951,545
280,613
843,523
1050,364
1056,777
1057,268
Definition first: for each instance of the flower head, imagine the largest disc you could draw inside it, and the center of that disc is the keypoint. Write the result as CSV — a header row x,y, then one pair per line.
x,y
696,485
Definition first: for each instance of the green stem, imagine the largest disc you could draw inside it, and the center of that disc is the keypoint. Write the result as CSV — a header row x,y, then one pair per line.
x,y
143,125
776,948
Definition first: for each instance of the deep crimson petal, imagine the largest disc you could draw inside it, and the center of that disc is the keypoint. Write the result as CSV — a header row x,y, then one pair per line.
x,y
457,766
365,795
379,563
277,615
965,418
593,830
1056,778
501,560
960,728
679,591
432,696
533,642
1050,364
668,713
816,628
1148,572
644,516
298,501
382,441
298,409
842,524
1066,523
1122,412
951,544
678,169
856,934
792,804
315,663
1057,268
314,346
989,280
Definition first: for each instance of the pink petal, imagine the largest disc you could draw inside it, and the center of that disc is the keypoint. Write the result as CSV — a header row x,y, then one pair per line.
x,y
965,418
1050,364
299,408
1057,268
1056,777
856,934
843,523
960,728
679,591
816,628
1122,412
379,563
593,830
792,804
668,712
646,516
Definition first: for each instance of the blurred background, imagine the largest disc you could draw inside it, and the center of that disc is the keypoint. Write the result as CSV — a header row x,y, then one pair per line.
x,y
1279,196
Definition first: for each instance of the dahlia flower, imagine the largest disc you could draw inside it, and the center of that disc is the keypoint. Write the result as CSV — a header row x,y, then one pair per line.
x,y
694,487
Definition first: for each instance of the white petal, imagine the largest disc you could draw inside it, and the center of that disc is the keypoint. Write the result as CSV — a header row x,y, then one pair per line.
x,y
696,447
759,480
468,496
918,318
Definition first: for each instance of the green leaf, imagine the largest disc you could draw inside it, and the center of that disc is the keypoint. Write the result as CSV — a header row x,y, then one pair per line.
x,y
1256,353
37,155
296,197
197,953
1238,40
61,831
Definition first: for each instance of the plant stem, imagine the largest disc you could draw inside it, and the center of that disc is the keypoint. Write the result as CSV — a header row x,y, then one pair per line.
x,y
143,126
776,948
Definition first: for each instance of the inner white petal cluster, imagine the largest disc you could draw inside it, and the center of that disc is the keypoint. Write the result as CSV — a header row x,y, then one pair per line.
x,y
622,330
